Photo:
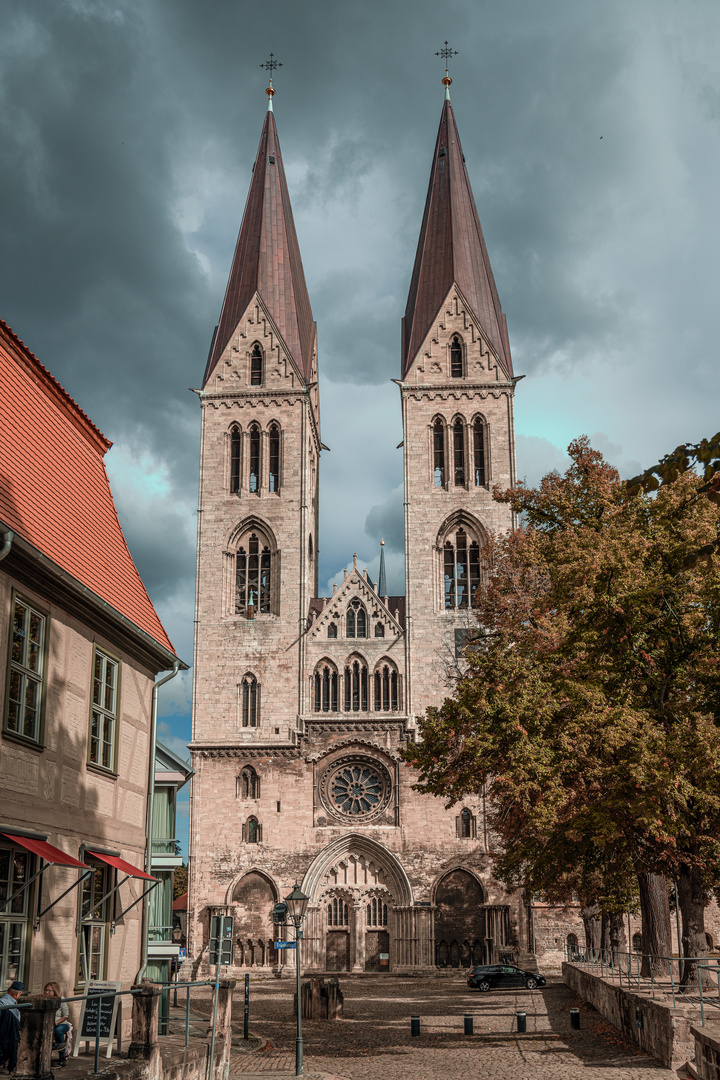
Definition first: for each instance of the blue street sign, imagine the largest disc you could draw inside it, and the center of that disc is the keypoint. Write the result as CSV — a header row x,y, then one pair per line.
x,y
284,944
182,954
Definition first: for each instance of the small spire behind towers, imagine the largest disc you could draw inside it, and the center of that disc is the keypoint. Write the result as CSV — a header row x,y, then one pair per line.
x,y
382,580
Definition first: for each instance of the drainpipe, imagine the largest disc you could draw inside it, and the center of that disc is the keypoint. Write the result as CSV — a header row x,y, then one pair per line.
x,y
7,544
150,805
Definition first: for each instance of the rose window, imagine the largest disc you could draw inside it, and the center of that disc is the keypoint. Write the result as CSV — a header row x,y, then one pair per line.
x,y
355,788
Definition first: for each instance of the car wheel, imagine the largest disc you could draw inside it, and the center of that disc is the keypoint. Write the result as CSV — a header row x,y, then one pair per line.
x,y
484,985
531,983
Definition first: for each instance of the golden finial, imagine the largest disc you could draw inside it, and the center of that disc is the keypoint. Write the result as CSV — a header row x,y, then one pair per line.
x,y
446,52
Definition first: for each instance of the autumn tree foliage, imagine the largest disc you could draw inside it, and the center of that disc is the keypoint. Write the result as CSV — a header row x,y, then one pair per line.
x,y
589,705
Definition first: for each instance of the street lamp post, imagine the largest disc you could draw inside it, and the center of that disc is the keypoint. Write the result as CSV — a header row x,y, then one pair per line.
x,y
297,903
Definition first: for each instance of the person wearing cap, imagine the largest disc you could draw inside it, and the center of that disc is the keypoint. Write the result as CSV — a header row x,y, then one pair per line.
x,y
10,1025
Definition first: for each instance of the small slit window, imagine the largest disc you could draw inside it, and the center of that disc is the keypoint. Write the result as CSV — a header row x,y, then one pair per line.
x,y
256,366
235,440
479,452
456,358
274,459
439,454
459,452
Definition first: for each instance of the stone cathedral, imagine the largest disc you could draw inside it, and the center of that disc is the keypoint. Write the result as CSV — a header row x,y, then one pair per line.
x,y
303,702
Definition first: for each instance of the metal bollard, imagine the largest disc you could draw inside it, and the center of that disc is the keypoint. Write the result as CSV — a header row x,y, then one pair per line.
x,y
468,1025
246,1017
575,1019
414,1025
521,1021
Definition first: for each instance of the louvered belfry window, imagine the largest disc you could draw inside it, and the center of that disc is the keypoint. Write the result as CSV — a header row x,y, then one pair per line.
x,y
253,577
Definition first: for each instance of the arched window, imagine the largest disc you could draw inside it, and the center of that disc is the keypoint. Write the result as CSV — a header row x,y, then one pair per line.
x,y
466,824
256,366
274,458
459,452
235,442
249,783
332,630
379,629
326,688
572,943
356,620
250,701
439,454
479,452
337,912
387,698
461,569
456,358
637,942
253,578
356,687
254,481
252,831
376,913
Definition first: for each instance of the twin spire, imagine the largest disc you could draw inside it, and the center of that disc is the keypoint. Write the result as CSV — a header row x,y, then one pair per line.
x,y
451,251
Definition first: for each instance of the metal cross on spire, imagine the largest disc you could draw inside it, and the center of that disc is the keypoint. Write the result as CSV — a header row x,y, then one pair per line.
x,y
446,52
272,64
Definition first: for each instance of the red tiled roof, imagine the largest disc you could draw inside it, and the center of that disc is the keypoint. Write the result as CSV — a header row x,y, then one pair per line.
x,y
181,903
451,249
267,260
54,490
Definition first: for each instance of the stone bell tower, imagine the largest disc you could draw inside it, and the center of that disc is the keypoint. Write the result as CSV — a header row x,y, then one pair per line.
x,y
457,390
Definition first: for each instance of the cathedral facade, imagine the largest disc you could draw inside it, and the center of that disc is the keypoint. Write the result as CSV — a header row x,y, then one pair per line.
x,y
303,703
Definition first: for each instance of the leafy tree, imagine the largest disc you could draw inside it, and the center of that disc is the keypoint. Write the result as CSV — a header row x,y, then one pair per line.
x,y
180,881
590,700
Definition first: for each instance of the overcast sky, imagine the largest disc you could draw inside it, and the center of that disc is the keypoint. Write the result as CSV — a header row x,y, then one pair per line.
x,y
128,130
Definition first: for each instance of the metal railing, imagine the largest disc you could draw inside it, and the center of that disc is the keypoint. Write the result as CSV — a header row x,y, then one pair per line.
x,y
708,967
105,995
628,967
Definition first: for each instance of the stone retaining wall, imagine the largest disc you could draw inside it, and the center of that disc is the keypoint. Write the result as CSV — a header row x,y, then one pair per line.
x,y
665,1032
707,1051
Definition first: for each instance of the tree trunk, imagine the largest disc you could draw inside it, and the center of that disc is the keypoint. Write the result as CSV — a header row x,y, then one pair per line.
x,y
655,915
692,899
616,932
591,921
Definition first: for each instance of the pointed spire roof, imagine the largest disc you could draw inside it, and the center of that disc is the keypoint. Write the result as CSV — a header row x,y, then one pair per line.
x,y
267,260
451,249
382,579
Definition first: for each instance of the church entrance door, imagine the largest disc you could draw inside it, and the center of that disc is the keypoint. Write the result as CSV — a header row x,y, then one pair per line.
x,y
337,950
377,950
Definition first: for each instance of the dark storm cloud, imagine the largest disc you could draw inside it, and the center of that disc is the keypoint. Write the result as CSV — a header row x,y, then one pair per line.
x,y
129,128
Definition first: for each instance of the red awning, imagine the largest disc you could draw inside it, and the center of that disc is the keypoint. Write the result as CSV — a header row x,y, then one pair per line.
x,y
46,851
121,865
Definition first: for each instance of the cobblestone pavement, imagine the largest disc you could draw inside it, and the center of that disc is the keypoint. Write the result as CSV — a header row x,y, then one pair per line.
x,y
373,1041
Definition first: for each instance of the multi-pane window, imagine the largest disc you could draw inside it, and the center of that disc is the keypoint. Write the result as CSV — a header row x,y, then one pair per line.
x,y
386,689
461,570
103,719
94,918
235,458
376,913
356,620
337,912
479,452
27,672
254,481
256,366
466,824
14,874
250,693
274,460
252,577
356,687
249,783
326,689
456,358
459,452
252,831
439,454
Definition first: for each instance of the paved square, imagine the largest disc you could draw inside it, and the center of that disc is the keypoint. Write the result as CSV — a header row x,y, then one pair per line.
x,y
373,1040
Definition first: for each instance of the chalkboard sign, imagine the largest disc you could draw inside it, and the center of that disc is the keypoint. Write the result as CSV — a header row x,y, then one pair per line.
x,y
99,1008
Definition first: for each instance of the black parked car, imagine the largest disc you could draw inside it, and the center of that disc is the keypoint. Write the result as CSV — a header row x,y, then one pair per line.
x,y
502,976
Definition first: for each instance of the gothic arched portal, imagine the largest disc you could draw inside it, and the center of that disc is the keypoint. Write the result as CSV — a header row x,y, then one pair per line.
x,y
459,918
